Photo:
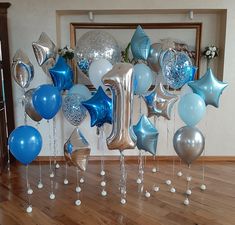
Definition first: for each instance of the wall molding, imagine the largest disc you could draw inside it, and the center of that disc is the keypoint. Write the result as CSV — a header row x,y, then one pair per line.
x,y
149,158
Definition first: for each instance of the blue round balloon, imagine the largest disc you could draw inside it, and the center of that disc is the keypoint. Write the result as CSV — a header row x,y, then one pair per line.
x,y
47,101
143,78
73,109
191,109
25,143
176,68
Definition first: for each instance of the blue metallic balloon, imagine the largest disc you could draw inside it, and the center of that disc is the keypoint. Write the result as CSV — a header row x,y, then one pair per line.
x,y
209,88
100,108
140,44
25,143
147,135
176,68
62,74
73,109
47,101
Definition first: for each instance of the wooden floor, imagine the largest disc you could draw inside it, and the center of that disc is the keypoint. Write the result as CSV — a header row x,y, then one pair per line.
x,y
215,206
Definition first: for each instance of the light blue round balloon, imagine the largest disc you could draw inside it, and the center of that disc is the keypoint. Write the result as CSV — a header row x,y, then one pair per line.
x,y
143,78
191,109
80,90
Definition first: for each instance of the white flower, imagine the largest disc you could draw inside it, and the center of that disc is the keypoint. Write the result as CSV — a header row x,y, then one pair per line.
x,y
211,48
213,54
214,48
208,52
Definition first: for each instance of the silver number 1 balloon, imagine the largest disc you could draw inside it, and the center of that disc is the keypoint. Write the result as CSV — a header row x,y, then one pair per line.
x,y
120,80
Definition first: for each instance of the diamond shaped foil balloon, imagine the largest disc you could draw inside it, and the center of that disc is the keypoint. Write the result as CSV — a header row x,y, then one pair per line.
x,y
147,135
140,44
77,150
22,69
209,88
44,49
160,102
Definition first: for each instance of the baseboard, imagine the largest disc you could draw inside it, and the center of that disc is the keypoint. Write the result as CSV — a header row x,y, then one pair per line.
x,y
149,158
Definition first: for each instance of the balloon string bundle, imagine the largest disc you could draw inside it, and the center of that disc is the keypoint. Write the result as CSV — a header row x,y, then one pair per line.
x,y
203,185
29,190
78,189
188,189
54,144
123,178
40,183
66,174
140,179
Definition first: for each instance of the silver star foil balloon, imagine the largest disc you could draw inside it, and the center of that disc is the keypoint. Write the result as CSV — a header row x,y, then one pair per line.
x,y
94,45
28,104
188,143
160,102
209,88
154,56
120,79
44,49
22,69
77,150
147,135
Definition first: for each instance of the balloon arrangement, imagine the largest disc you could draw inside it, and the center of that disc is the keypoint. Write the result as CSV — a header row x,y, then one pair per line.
x,y
98,55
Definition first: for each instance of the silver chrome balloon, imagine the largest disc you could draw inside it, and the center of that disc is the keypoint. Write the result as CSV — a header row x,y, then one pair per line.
x,y
188,143
154,56
22,69
94,45
29,108
44,49
77,150
160,102
120,79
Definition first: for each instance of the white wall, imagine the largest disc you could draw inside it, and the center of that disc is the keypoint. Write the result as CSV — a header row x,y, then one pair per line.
x,y
28,18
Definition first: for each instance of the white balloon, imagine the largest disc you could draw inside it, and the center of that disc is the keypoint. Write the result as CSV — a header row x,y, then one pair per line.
x,y
97,70
186,90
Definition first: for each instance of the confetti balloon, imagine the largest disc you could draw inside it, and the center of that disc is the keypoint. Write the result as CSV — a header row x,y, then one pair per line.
x,y
176,68
95,45
73,110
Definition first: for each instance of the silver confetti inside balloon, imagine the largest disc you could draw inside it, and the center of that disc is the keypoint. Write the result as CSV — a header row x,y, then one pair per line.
x,y
188,143
77,150
95,45
22,69
29,108
73,110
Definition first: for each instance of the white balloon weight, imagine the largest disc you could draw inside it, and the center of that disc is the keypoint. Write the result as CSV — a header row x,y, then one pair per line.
x,y
97,70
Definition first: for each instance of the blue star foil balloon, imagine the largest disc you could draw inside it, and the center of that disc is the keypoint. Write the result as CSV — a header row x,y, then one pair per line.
x,y
62,75
160,102
147,135
100,108
209,88
140,44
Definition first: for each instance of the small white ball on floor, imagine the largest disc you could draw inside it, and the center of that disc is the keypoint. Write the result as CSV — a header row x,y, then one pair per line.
x,y
154,170
188,179
30,191
188,192
52,196
82,180
179,174
52,175
138,181
78,202
78,189
168,182
173,190
57,166
40,185
147,194
186,201
66,181
203,187
156,189
102,173
104,193
29,209
123,201
103,184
